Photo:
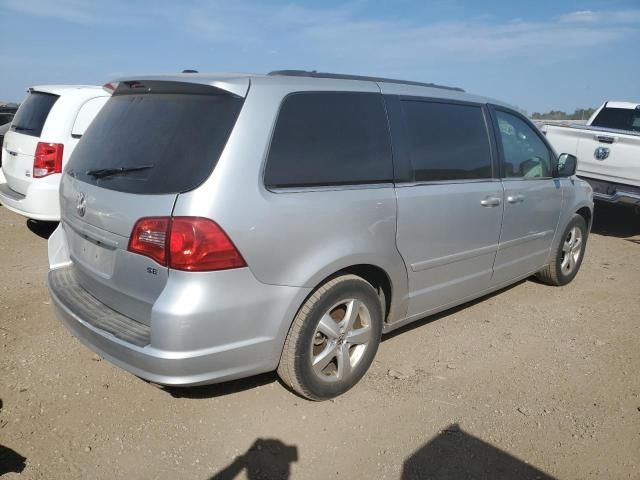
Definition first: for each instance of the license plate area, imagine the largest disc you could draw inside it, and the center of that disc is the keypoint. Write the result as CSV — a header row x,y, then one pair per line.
x,y
91,254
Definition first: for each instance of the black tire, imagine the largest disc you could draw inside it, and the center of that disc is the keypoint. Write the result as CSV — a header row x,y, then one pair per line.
x,y
554,273
301,347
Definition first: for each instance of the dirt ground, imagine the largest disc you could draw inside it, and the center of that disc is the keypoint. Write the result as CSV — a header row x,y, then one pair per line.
x,y
533,382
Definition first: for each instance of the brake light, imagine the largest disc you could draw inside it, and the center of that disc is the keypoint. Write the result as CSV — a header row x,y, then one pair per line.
x,y
48,159
185,243
110,87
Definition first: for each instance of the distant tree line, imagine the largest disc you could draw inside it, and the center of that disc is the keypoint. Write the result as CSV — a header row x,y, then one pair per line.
x,y
579,114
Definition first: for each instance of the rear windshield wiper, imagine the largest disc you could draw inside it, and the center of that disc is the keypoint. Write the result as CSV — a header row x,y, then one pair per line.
x,y
108,172
18,128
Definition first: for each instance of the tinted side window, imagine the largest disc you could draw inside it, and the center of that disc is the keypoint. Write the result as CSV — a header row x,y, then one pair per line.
x,y
32,113
525,154
330,139
618,118
447,141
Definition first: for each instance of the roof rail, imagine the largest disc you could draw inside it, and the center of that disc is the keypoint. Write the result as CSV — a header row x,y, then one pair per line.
x,y
342,76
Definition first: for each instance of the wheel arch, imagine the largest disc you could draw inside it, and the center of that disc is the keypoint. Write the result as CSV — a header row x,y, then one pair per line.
x,y
587,214
389,282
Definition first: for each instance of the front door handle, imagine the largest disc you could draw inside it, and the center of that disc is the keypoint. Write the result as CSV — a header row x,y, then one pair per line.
x,y
490,202
517,198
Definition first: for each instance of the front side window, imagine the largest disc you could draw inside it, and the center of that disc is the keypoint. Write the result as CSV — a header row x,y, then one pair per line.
x,y
330,138
525,154
447,141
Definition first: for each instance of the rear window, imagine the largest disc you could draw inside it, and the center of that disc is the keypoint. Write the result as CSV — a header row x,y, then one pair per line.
x,y
32,113
161,142
330,138
618,118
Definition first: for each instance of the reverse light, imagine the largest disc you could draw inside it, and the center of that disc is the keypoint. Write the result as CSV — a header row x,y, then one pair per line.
x,y
48,159
192,244
149,238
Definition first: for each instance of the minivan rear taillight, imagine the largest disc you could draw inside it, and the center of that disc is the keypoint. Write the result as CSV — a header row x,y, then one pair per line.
x,y
48,159
193,244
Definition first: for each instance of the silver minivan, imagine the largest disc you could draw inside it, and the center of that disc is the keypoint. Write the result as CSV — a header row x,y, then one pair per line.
x,y
219,226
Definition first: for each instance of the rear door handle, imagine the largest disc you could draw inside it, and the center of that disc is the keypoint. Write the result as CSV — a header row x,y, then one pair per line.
x,y
517,198
490,202
12,153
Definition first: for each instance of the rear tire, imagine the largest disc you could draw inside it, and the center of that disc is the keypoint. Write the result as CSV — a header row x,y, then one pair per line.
x,y
333,339
567,258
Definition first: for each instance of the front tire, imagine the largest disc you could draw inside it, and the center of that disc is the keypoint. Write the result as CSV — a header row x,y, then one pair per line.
x,y
333,339
566,261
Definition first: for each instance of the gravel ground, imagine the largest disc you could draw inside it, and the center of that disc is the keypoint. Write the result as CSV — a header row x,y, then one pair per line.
x,y
532,382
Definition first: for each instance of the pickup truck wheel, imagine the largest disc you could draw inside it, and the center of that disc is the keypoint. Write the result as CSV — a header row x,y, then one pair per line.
x,y
566,261
333,339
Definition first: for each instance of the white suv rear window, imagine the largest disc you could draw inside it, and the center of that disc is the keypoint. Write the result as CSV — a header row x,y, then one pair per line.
x,y
32,113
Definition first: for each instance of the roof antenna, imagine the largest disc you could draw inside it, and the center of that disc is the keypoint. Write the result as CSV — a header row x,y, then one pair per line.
x,y
190,71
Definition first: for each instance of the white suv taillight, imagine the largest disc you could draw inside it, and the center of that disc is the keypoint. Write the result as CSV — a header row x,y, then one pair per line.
x,y
193,244
48,159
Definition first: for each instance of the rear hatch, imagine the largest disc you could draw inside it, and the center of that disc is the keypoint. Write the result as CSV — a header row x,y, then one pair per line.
x,y
22,138
150,142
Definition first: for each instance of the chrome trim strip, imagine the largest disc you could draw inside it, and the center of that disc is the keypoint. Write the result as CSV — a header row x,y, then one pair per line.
x,y
446,182
329,188
92,234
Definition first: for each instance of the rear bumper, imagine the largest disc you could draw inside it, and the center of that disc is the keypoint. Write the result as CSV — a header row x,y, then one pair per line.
x,y
614,192
618,197
232,337
40,203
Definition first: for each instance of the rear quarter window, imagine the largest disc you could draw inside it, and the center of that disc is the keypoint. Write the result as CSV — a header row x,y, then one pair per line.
x,y
330,138
33,113
86,114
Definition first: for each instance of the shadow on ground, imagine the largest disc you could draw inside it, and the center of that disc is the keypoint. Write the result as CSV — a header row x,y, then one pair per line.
x,y
42,229
221,389
457,455
267,458
10,460
616,220
451,455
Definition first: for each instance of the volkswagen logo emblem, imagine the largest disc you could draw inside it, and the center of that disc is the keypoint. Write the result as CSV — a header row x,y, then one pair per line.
x,y
81,204
601,153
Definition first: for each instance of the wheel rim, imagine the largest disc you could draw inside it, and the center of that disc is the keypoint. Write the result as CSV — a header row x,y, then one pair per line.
x,y
340,340
571,250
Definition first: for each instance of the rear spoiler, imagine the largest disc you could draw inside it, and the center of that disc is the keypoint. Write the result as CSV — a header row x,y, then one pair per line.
x,y
190,84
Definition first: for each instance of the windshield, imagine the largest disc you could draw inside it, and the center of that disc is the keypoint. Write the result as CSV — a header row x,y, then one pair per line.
x,y
155,143
32,113
618,118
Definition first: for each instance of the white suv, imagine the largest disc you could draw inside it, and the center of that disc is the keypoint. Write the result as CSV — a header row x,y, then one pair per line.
x,y
41,138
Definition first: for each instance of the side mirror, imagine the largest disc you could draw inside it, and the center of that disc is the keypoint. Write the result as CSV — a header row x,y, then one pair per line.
x,y
567,164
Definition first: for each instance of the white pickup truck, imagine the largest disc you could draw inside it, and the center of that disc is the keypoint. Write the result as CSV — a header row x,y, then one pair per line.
x,y
608,150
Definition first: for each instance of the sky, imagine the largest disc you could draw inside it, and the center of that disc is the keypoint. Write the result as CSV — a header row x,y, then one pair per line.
x,y
538,55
